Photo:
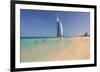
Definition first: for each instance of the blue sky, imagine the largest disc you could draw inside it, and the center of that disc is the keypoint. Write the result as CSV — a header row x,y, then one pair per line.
x,y
42,23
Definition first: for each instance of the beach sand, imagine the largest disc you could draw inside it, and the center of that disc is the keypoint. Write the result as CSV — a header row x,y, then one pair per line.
x,y
79,49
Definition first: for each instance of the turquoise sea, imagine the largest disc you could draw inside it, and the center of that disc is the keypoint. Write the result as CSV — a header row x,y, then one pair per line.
x,y
40,48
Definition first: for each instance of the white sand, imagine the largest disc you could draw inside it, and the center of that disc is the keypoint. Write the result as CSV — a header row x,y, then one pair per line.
x,y
79,49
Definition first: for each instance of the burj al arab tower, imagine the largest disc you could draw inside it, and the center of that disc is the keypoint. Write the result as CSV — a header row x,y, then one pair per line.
x,y
59,28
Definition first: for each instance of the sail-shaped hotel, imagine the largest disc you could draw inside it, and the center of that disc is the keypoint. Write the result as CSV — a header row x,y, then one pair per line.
x,y
59,28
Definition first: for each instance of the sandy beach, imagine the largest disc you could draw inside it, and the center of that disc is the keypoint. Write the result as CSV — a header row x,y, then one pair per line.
x,y
79,49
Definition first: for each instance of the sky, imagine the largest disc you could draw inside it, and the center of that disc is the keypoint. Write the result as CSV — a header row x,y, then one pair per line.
x,y
43,23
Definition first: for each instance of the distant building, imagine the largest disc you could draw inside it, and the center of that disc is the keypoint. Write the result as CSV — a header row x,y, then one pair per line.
x,y
59,28
85,34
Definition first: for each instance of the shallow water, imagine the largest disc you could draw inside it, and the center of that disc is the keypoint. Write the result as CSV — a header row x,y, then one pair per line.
x,y
38,49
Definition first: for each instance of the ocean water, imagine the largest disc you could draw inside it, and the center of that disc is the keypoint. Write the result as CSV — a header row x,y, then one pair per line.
x,y
39,49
